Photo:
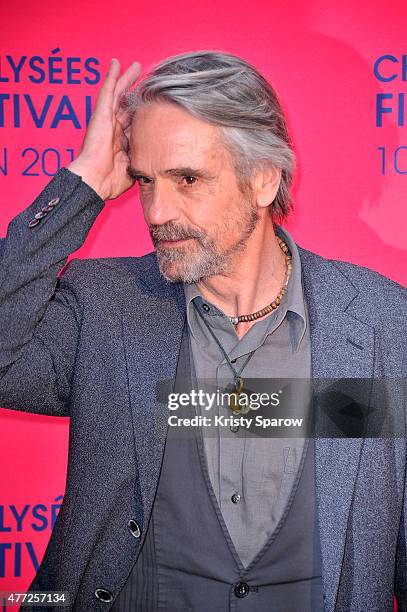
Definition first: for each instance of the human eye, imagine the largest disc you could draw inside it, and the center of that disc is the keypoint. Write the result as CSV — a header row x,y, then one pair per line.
x,y
142,180
189,180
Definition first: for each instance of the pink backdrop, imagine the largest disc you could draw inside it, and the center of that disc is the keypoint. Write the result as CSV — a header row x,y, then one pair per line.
x,y
340,69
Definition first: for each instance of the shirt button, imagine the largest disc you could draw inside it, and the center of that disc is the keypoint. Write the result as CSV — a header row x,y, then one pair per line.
x,y
234,428
134,528
205,307
53,202
241,589
47,209
236,497
103,595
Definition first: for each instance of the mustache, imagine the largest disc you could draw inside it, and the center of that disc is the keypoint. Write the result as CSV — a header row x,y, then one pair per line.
x,y
171,231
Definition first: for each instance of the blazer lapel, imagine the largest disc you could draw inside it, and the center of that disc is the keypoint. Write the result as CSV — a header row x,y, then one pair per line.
x,y
153,320
342,346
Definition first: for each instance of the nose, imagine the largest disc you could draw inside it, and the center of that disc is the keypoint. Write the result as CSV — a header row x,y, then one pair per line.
x,y
160,206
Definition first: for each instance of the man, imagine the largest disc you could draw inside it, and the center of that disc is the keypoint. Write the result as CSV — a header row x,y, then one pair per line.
x,y
207,522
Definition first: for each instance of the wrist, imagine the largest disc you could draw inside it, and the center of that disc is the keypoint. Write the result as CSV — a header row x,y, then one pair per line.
x,y
88,175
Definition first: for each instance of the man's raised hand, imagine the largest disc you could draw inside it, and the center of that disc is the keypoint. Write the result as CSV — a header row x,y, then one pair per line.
x,y
103,160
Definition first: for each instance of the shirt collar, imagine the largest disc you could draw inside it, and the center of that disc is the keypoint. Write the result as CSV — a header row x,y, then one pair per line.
x,y
296,309
294,297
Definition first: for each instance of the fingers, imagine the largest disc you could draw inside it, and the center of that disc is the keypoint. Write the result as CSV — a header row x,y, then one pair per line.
x,y
127,79
119,140
124,118
124,84
125,144
112,75
114,85
106,92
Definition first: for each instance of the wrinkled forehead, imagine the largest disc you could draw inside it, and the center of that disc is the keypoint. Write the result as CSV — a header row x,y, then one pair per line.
x,y
164,133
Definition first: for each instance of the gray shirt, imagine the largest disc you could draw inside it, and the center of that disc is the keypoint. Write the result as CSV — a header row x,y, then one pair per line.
x,y
252,476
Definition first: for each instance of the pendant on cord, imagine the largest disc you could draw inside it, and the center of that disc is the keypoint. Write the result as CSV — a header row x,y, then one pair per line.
x,y
239,402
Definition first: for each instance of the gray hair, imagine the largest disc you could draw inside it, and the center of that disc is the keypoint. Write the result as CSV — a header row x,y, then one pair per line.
x,y
225,90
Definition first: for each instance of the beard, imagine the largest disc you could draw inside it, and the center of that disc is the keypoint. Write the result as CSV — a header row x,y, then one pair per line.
x,y
202,256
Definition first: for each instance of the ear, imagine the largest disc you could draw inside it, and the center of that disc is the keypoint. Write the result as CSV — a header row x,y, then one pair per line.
x,y
265,184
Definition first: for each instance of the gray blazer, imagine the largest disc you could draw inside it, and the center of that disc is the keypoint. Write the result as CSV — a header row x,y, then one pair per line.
x,y
92,344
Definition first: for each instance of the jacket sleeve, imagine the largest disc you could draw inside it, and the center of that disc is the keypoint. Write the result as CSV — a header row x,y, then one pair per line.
x,y
40,313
